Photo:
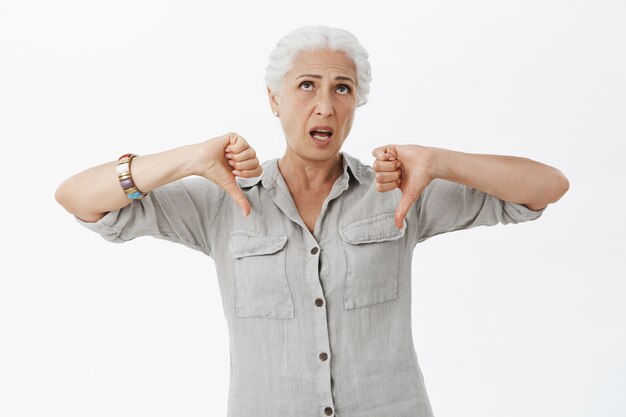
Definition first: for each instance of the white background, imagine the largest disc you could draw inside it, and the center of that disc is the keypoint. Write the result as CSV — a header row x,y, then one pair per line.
x,y
516,320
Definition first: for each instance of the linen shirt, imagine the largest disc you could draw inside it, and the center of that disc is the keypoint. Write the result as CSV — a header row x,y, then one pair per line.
x,y
319,324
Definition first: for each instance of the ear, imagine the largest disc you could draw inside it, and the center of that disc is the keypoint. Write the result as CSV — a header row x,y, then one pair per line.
x,y
273,99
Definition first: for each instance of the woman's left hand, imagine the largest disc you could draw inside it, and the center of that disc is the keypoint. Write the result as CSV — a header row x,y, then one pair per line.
x,y
408,167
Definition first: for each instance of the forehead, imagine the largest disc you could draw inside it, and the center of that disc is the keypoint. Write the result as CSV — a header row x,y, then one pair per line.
x,y
323,62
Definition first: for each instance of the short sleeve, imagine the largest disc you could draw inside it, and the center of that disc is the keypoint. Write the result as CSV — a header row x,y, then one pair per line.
x,y
445,206
181,211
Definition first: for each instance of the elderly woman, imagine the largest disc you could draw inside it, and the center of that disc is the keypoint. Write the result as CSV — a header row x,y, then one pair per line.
x,y
313,250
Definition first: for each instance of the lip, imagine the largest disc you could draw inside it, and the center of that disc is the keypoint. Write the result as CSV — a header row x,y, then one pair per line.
x,y
320,143
330,129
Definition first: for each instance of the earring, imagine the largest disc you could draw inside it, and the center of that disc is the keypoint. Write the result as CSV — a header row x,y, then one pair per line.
x,y
276,113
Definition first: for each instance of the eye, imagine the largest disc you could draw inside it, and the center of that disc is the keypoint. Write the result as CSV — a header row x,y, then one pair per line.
x,y
345,89
306,85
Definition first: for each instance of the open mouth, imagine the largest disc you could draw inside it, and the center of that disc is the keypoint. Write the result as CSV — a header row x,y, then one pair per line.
x,y
321,133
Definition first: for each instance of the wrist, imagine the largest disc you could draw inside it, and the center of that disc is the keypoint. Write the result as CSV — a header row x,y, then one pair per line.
x,y
440,161
200,157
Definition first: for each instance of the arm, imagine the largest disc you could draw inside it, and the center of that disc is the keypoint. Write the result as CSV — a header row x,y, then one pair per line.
x,y
459,184
96,191
92,193
510,178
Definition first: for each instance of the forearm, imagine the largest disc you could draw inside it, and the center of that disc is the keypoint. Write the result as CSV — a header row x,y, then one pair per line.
x,y
510,178
92,193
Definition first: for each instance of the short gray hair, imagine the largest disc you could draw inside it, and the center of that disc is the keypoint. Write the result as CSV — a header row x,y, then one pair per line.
x,y
307,38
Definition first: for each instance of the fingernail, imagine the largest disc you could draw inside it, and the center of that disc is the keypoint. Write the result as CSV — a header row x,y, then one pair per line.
x,y
227,149
229,155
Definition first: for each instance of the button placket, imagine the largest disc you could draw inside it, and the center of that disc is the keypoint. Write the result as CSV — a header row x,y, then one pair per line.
x,y
321,330
318,301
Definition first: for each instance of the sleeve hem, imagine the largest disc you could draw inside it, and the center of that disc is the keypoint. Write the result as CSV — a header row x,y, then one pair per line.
x,y
104,223
102,226
523,213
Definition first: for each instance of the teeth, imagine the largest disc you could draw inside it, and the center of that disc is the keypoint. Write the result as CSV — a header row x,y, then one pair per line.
x,y
322,138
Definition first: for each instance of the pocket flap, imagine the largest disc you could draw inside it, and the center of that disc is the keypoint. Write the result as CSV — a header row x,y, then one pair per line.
x,y
245,243
379,228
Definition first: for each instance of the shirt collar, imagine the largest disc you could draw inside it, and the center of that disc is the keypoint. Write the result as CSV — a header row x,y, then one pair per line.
x,y
351,168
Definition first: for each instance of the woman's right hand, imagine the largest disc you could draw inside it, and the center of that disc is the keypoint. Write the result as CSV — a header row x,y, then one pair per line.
x,y
226,157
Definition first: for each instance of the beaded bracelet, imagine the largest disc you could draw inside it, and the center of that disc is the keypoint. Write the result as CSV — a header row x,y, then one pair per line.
x,y
126,179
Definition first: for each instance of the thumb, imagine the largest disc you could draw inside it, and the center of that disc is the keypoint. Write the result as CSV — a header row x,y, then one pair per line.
x,y
238,196
404,206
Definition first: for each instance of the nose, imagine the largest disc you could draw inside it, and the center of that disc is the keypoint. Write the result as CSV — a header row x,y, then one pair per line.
x,y
324,104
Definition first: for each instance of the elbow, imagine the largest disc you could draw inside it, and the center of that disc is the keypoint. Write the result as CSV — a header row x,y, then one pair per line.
x,y
560,186
63,197
552,191
60,195
563,185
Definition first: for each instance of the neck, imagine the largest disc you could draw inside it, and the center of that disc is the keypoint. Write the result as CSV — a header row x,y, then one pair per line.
x,y
305,174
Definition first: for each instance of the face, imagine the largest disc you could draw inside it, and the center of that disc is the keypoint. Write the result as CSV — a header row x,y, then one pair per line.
x,y
317,104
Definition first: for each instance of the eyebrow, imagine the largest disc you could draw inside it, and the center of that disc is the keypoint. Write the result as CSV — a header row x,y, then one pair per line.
x,y
319,77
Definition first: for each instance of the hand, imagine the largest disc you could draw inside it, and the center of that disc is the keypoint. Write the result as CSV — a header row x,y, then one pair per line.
x,y
229,156
408,167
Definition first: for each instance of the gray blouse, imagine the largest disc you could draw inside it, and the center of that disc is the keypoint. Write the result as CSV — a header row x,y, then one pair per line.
x,y
319,324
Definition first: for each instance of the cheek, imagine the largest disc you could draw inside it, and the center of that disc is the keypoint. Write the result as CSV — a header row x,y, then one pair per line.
x,y
292,124
294,117
348,116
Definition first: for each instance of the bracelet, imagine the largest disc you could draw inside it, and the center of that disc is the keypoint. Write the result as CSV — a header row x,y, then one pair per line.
x,y
126,179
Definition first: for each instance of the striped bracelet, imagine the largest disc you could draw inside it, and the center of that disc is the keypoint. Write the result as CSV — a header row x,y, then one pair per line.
x,y
126,179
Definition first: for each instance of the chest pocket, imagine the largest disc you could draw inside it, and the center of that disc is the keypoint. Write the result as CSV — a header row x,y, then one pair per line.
x,y
261,286
372,248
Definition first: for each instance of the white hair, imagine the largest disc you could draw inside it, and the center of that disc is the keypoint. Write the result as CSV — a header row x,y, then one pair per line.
x,y
307,38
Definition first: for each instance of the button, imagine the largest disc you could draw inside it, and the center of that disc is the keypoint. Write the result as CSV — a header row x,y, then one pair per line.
x,y
314,250
323,356
328,411
319,302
